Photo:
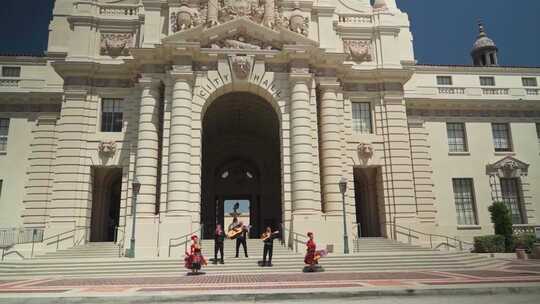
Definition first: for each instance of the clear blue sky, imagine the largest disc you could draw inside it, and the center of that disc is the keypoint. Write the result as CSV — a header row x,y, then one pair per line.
x,y
444,30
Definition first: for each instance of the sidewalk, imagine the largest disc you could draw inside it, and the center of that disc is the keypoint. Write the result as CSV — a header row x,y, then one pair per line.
x,y
517,277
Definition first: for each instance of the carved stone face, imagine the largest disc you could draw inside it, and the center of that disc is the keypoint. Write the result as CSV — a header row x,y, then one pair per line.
x,y
297,23
183,20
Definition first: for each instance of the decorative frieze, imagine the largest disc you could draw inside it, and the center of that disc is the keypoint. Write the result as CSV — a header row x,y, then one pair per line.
x,y
373,87
470,113
358,50
508,167
107,148
99,82
116,44
241,42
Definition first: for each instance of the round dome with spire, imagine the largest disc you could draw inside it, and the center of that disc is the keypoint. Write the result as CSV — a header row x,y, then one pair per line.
x,y
484,51
483,41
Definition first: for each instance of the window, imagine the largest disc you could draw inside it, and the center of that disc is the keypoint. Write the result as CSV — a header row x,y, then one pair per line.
x,y
501,137
529,82
457,139
362,117
487,81
4,128
1,184
511,196
464,199
11,71
444,80
538,131
111,115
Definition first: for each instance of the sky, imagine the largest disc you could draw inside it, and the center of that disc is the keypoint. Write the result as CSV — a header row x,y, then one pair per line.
x,y
443,30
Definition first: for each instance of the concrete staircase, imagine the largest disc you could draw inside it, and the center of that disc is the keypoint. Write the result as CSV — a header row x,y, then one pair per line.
x,y
374,255
93,250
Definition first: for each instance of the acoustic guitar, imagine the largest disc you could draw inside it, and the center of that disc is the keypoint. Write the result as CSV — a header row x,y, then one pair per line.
x,y
236,232
266,235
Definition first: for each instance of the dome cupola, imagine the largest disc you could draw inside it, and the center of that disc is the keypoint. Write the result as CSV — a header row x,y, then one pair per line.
x,y
484,51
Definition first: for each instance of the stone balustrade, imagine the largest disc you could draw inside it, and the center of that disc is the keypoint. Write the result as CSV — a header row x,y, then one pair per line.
x,y
118,11
495,91
355,19
451,91
533,92
9,83
524,228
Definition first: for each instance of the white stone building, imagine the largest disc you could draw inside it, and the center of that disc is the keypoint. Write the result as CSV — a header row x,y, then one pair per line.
x,y
266,102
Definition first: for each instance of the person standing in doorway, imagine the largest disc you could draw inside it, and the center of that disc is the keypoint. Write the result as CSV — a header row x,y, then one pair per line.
x,y
268,240
241,239
219,238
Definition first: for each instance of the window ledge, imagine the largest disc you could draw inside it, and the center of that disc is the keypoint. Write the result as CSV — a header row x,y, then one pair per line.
x,y
469,227
459,153
505,153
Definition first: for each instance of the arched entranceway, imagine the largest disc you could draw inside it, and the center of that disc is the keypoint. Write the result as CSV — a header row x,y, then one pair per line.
x,y
241,163
106,194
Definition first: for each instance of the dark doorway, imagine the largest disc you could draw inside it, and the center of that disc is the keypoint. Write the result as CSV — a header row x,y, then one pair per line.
x,y
366,181
241,161
106,194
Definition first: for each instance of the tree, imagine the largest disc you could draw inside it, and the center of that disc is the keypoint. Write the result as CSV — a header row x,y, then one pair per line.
x,y
502,220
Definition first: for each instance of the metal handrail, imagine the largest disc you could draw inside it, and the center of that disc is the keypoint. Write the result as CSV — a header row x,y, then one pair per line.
x,y
414,234
295,238
185,239
122,240
62,234
13,236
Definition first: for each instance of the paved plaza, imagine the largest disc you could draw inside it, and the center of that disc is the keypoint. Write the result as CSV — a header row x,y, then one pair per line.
x,y
514,276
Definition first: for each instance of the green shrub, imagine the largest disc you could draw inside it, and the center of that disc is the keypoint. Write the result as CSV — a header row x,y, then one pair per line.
x,y
524,241
489,244
502,220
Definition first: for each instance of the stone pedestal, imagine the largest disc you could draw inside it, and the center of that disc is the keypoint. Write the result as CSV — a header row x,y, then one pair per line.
x,y
536,251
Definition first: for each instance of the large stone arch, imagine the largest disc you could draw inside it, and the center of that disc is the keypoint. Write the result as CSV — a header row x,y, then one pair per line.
x,y
272,87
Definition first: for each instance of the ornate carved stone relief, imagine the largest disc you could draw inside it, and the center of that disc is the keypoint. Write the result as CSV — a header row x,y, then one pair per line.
x,y
186,17
242,43
213,12
508,167
241,65
298,23
358,50
365,152
107,148
116,44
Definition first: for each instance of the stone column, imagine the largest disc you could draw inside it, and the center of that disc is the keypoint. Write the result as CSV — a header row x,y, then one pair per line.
x,y
147,147
178,190
301,145
330,146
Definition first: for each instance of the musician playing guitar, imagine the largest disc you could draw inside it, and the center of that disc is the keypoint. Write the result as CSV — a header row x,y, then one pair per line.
x,y
241,238
268,239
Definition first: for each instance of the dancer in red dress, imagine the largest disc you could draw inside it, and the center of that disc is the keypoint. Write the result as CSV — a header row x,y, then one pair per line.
x,y
194,259
312,255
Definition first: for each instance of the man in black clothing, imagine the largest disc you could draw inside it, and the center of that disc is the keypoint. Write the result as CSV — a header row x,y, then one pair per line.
x,y
241,240
268,239
219,238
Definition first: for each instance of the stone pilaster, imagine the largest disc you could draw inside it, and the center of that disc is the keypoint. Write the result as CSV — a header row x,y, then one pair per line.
x,y
40,173
301,145
330,146
147,147
180,142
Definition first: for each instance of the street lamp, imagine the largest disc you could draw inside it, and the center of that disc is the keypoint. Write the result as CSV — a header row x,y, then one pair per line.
x,y
136,185
343,189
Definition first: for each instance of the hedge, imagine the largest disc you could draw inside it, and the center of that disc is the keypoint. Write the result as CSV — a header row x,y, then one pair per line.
x,y
489,244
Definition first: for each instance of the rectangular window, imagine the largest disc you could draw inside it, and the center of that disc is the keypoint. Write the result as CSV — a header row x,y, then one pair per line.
x,y
511,196
487,81
111,115
457,138
4,130
362,117
538,132
501,137
529,82
11,71
444,80
1,184
464,199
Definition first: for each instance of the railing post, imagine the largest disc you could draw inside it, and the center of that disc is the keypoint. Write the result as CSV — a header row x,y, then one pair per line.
x,y
460,245
431,241
57,241
410,241
169,248
34,232
295,243
447,244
